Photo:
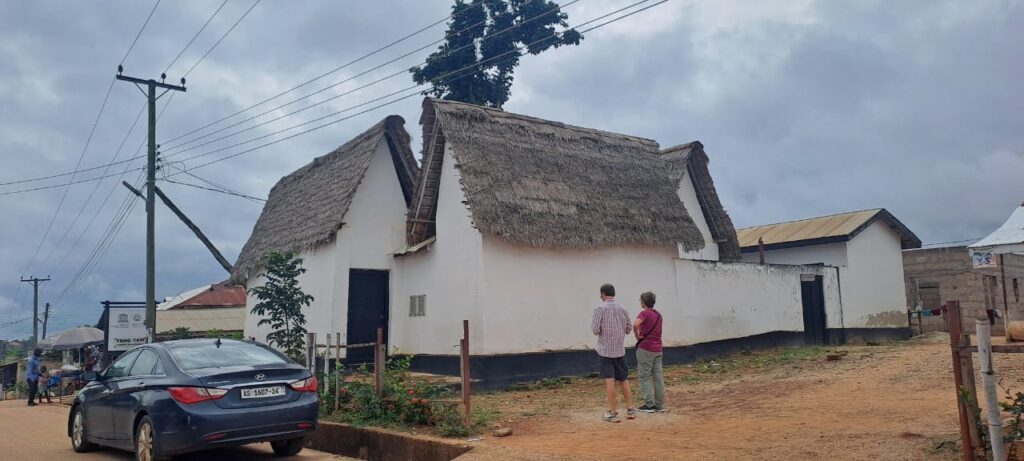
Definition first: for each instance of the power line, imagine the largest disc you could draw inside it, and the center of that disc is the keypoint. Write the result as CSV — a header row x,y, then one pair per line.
x,y
321,76
194,37
96,187
325,74
222,37
211,189
400,91
951,242
171,148
130,48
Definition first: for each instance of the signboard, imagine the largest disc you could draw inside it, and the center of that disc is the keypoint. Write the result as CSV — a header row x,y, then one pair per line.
x,y
983,259
126,328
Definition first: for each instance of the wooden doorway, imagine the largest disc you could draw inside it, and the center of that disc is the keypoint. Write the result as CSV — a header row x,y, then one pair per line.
x,y
813,297
367,310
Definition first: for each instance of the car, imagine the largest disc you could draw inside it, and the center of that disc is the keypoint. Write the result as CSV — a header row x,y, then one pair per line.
x,y
164,399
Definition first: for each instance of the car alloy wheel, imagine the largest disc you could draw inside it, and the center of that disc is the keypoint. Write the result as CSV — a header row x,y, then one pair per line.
x,y
77,429
144,442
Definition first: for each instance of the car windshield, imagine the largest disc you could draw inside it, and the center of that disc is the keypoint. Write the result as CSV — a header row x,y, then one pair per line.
x,y
209,355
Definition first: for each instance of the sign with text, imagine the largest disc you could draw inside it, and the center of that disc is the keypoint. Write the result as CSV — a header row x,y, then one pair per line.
x,y
126,328
982,259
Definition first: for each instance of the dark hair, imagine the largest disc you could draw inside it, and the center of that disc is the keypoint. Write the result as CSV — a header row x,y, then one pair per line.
x,y
608,289
37,352
648,298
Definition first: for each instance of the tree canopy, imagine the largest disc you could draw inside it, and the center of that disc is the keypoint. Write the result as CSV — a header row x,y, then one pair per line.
x,y
483,45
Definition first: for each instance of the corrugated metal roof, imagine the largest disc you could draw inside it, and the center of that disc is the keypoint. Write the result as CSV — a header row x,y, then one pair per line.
x,y
201,320
1008,238
838,227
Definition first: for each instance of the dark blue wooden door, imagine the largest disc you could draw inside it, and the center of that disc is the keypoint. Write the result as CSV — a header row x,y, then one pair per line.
x,y
367,310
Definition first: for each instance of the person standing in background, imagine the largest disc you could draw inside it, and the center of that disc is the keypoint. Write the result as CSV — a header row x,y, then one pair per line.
x,y
32,376
647,328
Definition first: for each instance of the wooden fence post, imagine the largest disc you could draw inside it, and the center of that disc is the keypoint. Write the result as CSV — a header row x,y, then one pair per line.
x,y
467,387
968,433
337,370
327,366
378,363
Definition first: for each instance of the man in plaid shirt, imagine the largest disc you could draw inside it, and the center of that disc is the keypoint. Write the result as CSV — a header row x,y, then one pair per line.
x,y
611,325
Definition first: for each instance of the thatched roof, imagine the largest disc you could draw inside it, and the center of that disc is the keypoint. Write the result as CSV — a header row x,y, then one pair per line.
x,y
547,184
690,159
306,208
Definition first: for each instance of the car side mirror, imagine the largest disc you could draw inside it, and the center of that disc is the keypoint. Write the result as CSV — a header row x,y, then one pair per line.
x,y
91,376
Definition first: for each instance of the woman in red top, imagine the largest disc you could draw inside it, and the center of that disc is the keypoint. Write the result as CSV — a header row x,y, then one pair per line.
x,y
647,328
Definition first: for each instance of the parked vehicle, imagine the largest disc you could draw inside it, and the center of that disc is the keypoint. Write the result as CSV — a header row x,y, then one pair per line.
x,y
175,397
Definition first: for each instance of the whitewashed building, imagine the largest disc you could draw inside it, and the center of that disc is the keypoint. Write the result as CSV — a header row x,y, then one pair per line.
x,y
513,222
867,247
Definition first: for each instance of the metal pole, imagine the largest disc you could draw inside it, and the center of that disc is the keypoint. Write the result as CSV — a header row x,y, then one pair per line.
x,y
1006,307
988,380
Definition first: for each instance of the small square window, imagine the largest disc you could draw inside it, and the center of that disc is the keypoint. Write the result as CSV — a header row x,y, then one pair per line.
x,y
417,305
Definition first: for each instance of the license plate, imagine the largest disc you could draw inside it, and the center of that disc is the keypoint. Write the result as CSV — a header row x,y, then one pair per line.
x,y
262,392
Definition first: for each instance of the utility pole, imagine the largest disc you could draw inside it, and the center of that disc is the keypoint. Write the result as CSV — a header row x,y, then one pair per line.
x,y
151,96
35,308
46,319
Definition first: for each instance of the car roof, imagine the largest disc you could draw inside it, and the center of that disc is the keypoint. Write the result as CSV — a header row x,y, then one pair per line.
x,y
179,343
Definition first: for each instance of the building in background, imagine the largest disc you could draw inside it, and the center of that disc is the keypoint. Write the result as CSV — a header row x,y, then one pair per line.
x,y
867,248
220,306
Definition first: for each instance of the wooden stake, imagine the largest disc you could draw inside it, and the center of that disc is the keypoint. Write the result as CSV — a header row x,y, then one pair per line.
x,y
467,386
378,363
955,338
988,380
327,367
337,370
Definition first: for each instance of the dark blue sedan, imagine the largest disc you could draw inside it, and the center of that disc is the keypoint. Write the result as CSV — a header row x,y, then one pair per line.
x,y
168,398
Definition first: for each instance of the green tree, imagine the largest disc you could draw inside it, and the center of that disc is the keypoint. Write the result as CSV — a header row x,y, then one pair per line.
x,y
181,333
281,301
484,42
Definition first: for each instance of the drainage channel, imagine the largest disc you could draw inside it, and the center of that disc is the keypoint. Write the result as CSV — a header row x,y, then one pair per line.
x,y
382,445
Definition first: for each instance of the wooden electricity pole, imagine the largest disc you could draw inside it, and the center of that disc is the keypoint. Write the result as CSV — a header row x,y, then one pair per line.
x,y
151,97
35,308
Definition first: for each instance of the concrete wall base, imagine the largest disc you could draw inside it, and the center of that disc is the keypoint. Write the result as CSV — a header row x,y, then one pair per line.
x,y
381,445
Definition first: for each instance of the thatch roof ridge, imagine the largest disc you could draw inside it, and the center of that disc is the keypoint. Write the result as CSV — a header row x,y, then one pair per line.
x,y
690,158
306,208
494,112
548,184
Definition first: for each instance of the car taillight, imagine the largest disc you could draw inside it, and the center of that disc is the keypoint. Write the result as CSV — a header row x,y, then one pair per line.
x,y
190,395
305,385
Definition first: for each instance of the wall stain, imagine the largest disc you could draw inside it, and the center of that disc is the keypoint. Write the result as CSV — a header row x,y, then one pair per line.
x,y
887,319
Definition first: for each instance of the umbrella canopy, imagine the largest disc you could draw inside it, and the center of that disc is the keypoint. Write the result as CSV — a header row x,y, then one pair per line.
x,y
1008,238
73,338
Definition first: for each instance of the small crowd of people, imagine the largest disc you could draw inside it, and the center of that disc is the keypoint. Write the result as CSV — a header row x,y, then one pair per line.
x,y
41,381
611,323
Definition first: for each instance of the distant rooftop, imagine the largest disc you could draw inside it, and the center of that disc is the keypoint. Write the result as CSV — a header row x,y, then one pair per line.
x,y
824,229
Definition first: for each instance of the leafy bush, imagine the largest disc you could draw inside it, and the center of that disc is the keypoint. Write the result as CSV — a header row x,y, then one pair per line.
x,y
406,402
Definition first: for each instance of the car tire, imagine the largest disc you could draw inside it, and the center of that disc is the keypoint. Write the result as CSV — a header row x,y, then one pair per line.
x,y
290,447
79,432
146,442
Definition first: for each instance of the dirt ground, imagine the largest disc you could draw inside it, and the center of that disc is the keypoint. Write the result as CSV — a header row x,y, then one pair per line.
x,y
888,402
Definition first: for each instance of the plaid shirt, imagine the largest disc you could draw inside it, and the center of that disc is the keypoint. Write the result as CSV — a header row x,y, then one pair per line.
x,y
611,325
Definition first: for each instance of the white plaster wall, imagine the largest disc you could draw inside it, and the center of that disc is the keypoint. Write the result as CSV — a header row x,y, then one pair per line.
x,y
316,281
688,195
874,294
719,300
831,254
449,273
542,299
371,233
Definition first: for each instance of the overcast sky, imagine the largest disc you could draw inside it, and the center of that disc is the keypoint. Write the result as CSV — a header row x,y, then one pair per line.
x,y
806,108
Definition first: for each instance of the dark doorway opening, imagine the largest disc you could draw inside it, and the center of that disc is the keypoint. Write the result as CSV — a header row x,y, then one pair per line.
x,y
813,295
367,310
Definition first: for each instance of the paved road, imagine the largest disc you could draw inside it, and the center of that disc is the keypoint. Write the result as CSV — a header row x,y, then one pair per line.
x,y
40,433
